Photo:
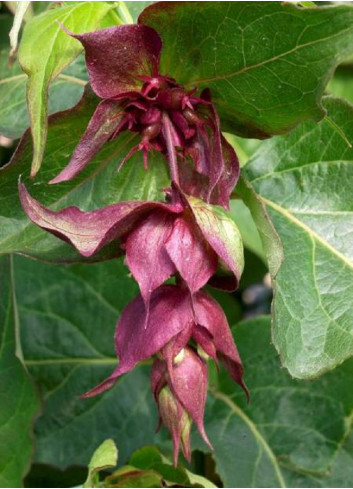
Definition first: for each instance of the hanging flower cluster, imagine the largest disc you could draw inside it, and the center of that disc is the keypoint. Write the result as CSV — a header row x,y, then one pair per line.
x,y
188,236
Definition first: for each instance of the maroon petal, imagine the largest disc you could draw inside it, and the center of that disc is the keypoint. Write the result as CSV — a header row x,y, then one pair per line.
x,y
217,163
210,315
189,380
192,256
177,343
192,182
88,231
205,339
158,376
228,178
117,58
146,256
136,341
101,127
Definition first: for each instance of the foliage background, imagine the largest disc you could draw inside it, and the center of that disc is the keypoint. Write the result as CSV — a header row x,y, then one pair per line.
x,y
57,321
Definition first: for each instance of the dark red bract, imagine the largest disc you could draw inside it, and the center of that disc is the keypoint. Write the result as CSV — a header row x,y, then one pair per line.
x,y
175,316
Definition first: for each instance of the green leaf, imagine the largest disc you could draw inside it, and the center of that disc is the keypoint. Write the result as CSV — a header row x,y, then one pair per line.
x,y
146,458
64,92
340,474
68,316
304,179
44,52
266,63
19,402
199,481
130,477
150,458
99,185
105,457
147,466
290,429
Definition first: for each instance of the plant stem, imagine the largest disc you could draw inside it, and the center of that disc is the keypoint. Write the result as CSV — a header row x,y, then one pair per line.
x,y
172,159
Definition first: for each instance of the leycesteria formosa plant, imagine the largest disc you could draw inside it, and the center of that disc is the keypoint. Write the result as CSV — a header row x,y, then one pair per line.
x,y
189,236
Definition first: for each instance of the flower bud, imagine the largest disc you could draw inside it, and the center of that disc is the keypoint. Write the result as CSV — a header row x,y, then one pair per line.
x,y
177,420
180,390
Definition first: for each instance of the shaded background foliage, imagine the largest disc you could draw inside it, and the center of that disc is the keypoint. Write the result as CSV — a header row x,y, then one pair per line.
x,y
57,321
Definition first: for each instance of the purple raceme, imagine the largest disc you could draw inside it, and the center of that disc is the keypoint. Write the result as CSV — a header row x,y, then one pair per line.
x,y
187,236
123,66
195,317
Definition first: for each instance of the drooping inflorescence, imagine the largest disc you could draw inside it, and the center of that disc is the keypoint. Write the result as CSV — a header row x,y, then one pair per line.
x,y
189,236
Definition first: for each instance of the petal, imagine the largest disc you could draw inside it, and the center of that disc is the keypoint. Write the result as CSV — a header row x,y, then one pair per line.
x,y
189,381
87,231
101,127
192,182
221,232
146,256
118,56
205,339
217,163
170,311
177,343
210,315
158,377
216,166
194,259
230,173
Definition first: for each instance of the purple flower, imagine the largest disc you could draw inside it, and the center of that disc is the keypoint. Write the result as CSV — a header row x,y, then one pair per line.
x,y
175,317
179,375
123,66
187,237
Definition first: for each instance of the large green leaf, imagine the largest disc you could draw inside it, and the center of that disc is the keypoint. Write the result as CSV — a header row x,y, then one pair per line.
x,y
266,63
340,474
19,403
305,181
45,50
100,184
291,430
